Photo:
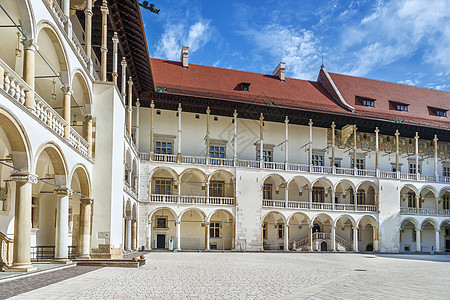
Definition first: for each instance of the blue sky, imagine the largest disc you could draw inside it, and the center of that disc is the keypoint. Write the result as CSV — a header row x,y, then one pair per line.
x,y
404,41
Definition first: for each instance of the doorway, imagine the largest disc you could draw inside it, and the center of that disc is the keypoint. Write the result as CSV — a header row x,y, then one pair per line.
x,y
161,241
447,245
323,246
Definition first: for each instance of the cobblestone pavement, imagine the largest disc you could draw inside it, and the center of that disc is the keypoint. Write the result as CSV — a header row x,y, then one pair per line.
x,y
262,276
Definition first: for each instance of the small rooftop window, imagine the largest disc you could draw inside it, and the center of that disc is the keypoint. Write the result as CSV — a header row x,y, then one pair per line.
x,y
439,112
399,106
245,86
366,101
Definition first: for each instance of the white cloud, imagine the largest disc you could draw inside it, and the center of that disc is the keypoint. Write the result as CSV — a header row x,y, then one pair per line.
x,y
175,36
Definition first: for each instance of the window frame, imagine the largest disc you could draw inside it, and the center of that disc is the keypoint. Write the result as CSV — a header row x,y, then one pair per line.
x,y
267,188
215,229
168,182
365,101
220,186
157,222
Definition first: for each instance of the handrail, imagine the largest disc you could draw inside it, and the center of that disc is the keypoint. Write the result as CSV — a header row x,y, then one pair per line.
x,y
6,251
346,244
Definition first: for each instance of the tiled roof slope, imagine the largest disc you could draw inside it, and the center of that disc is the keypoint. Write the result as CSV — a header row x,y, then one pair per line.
x,y
419,99
205,81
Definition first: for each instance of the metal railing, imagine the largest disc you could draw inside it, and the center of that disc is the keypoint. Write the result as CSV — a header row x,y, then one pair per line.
x,y
40,253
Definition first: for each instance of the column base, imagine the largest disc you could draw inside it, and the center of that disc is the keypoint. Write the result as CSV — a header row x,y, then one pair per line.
x,y
84,256
29,268
61,261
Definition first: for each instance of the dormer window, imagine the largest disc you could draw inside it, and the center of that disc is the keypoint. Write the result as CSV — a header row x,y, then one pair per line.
x,y
438,112
366,101
399,106
245,86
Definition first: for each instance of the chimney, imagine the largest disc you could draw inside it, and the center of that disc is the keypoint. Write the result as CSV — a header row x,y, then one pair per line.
x,y
279,71
184,56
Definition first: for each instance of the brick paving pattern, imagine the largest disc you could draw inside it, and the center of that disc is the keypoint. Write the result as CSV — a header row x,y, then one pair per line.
x,y
190,275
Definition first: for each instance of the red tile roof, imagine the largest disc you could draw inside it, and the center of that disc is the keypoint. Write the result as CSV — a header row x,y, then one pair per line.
x,y
419,99
205,81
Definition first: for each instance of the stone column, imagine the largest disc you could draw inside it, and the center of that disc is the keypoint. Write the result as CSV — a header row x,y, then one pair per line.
x,y
123,91
22,222
333,238
115,40
133,235
435,140
66,11
67,110
310,195
84,248
310,148
418,246
376,245
88,28
354,151
62,225
179,134
104,48
397,152
29,70
310,241
286,196
149,236
235,114
178,226
377,150
88,133
179,191
286,144
437,240
355,239
261,141
286,237
206,236
138,106
416,138
128,234
130,103
208,111
333,146
152,128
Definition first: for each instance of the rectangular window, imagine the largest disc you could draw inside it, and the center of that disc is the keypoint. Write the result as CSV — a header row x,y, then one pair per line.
x,y
217,151
267,191
366,101
360,163
439,112
161,222
163,147
411,200
317,160
318,194
446,202
216,189
446,171
265,231
162,186
412,168
399,106
214,230
267,155
280,231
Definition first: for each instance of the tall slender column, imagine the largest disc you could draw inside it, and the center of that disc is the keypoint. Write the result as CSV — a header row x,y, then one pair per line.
x,y
397,151
310,144
123,63
29,61
286,143
104,48
130,103
355,239
179,134
376,245
235,114
333,238
179,191
416,139
435,140
138,106
310,195
261,141
115,40
133,235
62,225
88,132
354,150
67,23
286,196
178,225
207,192
208,111
206,236
377,149
310,241
152,128
22,222
66,110
333,145
149,235
286,237
437,241
85,228
88,28
418,246
128,234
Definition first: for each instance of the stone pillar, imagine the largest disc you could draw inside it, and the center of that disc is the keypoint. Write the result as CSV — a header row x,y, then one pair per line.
x,y
286,237
310,148
355,239
333,238
130,103
286,196
286,144
206,236
84,246
62,225
418,244
437,240
310,241
376,241
104,48
435,140
115,40
88,133
179,191
128,234
178,225
235,114
377,150
138,106
133,235
179,134
207,192
310,196
354,151
88,28
397,151
22,222
66,11
29,70
149,236
333,146
261,141
208,111
152,128
123,91
416,138
67,110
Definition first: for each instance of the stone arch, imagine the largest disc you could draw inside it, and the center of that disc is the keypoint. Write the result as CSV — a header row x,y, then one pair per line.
x,y
429,220
150,215
305,217
171,171
274,212
81,100
410,187
445,221
194,170
198,210
369,183
276,178
430,188
411,220
221,229
208,218
345,182
344,192
193,182
298,189
57,160
352,220
367,217
443,191
217,172
321,217
82,173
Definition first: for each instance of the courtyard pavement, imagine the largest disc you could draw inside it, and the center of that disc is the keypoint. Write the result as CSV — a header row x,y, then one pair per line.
x,y
190,275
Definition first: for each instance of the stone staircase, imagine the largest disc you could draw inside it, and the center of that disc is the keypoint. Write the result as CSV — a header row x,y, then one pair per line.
x,y
6,251
301,244
342,244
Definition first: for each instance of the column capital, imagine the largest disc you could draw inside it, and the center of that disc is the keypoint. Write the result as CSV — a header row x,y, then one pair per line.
x,y
179,106
235,114
177,222
66,90
88,11
63,191
88,118
152,104
397,133
435,138
115,37
333,125
104,7
208,110
286,120
123,62
437,230
310,123
261,117
206,223
377,130
24,177
86,201
130,81
29,44
138,103
417,135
